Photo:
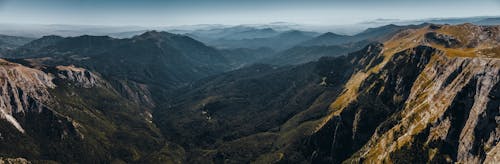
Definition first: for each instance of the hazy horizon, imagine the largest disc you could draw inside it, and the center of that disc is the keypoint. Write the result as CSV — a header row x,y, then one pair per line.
x,y
193,12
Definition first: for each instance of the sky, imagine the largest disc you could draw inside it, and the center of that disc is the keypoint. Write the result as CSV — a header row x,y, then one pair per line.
x,y
233,12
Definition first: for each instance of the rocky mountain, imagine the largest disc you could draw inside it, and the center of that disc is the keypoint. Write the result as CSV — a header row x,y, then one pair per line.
x,y
422,95
89,98
425,95
152,61
69,114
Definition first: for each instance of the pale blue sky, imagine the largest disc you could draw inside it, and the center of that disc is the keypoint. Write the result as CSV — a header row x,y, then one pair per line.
x,y
182,12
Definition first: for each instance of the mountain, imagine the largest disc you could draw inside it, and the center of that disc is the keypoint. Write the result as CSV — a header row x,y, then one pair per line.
x,y
379,34
15,41
38,44
427,95
282,41
249,37
302,54
488,21
480,20
416,97
235,114
331,44
152,61
151,46
12,42
240,57
384,33
328,38
69,114
477,20
232,33
126,34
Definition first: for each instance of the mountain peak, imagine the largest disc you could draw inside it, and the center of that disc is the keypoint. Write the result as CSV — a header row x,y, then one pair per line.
x,y
389,26
51,37
297,33
153,34
464,40
331,34
91,37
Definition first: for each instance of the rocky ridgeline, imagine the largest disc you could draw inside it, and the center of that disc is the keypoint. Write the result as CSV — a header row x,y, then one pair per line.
x,y
425,102
78,76
450,113
14,161
22,89
25,89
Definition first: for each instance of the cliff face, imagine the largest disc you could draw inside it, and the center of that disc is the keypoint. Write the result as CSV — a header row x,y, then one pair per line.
x,y
422,102
434,100
66,113
451,114
78,76
22,90
26,89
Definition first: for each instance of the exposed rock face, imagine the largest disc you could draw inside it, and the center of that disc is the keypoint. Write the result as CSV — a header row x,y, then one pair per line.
x,y
136,92
14,161
22,90
59,113
424,104
79,76
27,90
356,122
446,40
158,61
449,113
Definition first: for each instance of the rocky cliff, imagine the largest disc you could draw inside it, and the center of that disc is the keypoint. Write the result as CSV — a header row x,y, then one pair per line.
x,y
425,95
66,113
23,90
432,98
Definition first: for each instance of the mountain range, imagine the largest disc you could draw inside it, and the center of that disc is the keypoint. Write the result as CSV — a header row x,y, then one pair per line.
x,y
376,104
11,42
426,93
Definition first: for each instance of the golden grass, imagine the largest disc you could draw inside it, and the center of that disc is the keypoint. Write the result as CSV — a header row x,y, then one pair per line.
x,y
491,52
405,40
